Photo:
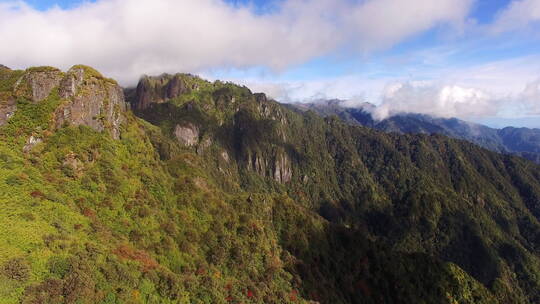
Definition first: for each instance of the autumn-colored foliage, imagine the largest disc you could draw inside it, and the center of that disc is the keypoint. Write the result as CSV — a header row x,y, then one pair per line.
x,y
37,194
127,252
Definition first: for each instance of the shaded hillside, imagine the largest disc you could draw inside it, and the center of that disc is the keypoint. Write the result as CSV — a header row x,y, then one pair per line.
x,y
219,195
519,141
414,193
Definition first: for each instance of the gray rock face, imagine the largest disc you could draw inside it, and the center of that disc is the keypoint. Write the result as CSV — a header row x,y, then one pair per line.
x,y
187,135
93,102
86,98
31,143
259,164
282,169
278,167
260,97
158,90
7,109
225,156
37,84
71,82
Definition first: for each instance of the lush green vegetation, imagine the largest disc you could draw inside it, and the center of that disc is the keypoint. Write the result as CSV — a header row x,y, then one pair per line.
x,y
366,217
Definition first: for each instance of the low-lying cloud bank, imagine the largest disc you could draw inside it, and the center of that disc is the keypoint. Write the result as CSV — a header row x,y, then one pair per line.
x,y
126,38
506,88
388,98
440,101
454,101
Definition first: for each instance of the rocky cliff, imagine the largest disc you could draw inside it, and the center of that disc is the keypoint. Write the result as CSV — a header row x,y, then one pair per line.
x,y
159,89
80,96
190,109
36,84
7,108
93,101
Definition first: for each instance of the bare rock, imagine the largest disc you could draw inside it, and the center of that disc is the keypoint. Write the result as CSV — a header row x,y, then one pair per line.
x,y
93,101
282,168
225,156
175,88
7,109
71,82
258,164
187,135
31,143
204,145
3,67
37,83
72,165
260,97
159,89
277,166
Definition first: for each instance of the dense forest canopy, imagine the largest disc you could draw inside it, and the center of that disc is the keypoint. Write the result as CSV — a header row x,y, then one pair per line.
x,y
208,193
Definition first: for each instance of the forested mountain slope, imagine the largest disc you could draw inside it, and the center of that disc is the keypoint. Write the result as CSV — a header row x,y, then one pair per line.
x,y
524,142
208,193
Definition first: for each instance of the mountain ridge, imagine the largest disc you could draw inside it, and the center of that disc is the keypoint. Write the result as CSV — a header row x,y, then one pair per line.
x,y
219,195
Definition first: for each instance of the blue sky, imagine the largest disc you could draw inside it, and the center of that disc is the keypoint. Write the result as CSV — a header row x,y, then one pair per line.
x,y
474,59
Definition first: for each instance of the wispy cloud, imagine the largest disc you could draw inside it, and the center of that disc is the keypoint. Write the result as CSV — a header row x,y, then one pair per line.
x,y
518,15
530,98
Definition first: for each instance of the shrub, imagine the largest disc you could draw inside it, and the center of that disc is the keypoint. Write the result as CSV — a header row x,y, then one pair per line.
x,y
14,180
16,269
58,266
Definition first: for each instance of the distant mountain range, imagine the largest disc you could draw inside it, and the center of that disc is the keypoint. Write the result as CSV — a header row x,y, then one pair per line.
x,y
524,142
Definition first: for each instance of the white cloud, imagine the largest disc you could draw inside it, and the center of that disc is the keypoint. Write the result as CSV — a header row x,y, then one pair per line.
x,y
383,22
471,92
436,100
125,38
354,89
530,98
519,14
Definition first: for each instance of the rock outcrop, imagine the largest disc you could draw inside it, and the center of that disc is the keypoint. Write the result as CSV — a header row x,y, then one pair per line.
x,y
258,164
7,109
71,82
159,89
188,134
4,67
254,120
278,166
72,165
282,168
83,95
260,97
37,83
92,101
31,143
